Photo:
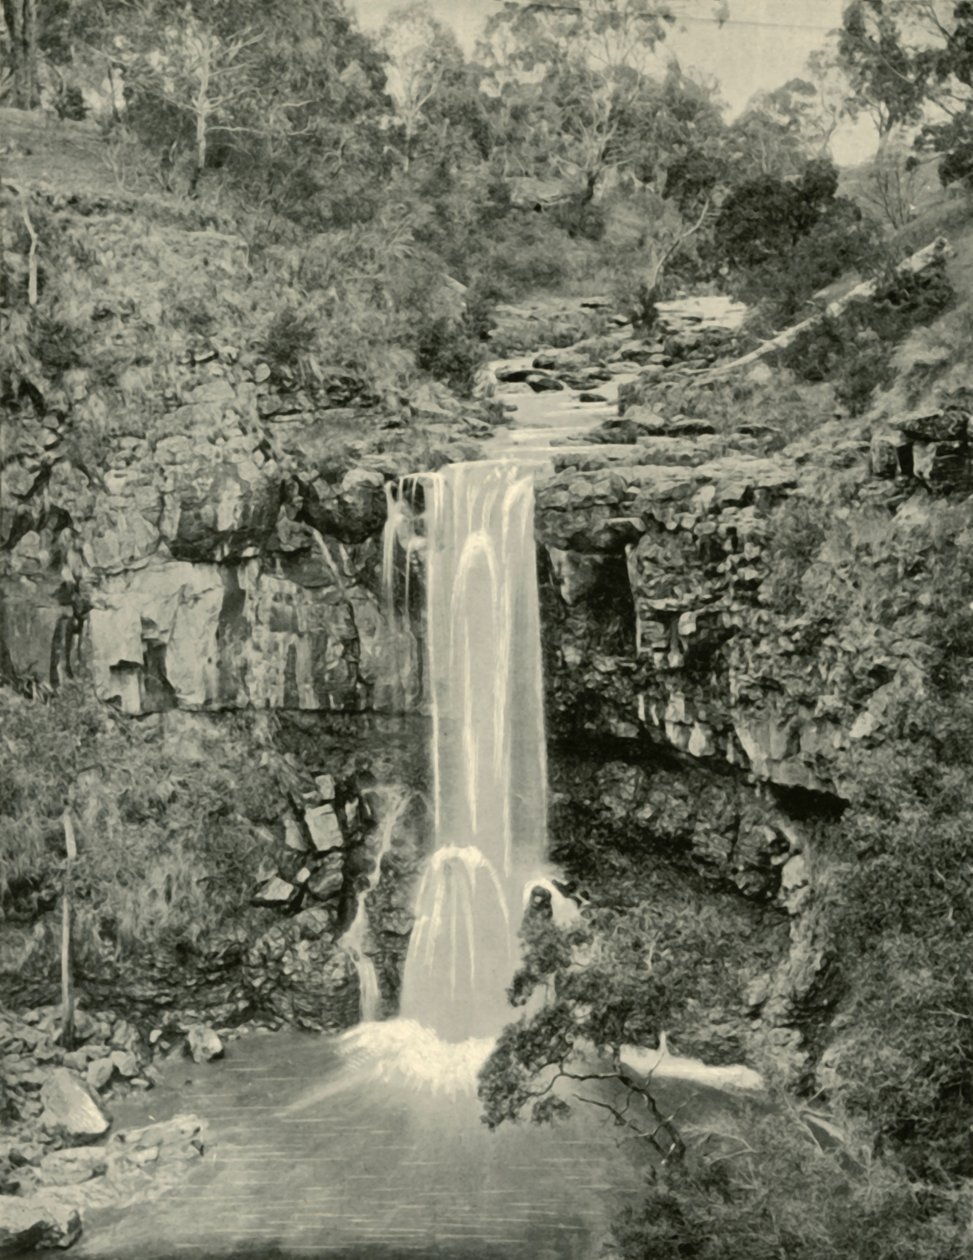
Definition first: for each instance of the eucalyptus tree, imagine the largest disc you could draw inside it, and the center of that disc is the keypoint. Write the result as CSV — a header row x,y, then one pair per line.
x,y
571,72
425,71
910,65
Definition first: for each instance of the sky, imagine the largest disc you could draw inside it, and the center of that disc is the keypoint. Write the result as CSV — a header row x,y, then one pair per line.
x,y
764,43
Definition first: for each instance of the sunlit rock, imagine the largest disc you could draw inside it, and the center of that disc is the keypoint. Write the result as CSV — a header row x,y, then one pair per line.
x,y
72,1166
276,892
70,1108
203,1043
324,828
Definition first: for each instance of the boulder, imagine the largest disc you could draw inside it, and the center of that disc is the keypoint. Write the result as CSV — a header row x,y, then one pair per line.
x,y
293,836
326,787
933,426
31,1224
942,465
541,383
72,1166
328,881
203,1043
125,1063
70,1107
324,828
99,1072
277,893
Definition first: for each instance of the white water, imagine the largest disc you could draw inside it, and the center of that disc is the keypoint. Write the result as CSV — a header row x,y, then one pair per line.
x,y
370,996
484,689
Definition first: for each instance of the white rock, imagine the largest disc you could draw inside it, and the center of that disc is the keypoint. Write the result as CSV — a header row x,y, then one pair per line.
x,y
324,828
203,1042
69,1105
326,786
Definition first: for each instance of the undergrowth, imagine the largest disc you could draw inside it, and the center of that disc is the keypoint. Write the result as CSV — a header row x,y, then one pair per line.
x,y
169,840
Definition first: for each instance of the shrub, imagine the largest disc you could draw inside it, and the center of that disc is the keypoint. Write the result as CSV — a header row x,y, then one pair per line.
x,y
287,339
580,218
770,1191
445,349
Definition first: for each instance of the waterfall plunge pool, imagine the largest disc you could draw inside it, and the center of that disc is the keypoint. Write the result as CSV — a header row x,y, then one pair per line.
x,y
369,1146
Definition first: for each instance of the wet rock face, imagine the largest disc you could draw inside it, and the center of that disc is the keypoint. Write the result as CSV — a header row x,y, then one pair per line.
x,y
349,785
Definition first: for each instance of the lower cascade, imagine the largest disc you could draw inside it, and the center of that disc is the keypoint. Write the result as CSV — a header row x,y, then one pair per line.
x,y
483,685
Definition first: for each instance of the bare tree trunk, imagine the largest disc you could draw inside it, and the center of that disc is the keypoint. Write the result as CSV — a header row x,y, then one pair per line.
x,y
67,973
30,54
115,115
31,257
14,14
202,111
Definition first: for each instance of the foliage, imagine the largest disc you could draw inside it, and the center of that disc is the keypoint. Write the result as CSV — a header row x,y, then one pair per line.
x,y
902,57
855,350
570,77
783,240
760,1182
168,847
885,75
648,954
768,1190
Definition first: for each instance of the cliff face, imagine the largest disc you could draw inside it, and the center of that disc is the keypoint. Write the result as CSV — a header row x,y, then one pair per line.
x,y
193,528
728,644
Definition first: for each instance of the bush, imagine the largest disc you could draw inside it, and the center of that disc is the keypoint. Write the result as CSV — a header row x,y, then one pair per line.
x,y
854,349
769,1191
581,218
529,252
287,339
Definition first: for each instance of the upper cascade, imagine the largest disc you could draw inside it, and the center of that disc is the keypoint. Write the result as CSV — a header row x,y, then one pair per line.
x,y
484,688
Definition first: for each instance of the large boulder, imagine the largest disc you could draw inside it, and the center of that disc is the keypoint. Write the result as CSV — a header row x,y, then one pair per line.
x,y
70,1108
35,1223
203,1043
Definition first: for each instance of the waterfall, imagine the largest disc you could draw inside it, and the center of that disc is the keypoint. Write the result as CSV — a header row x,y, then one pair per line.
x,y
484,689
370,996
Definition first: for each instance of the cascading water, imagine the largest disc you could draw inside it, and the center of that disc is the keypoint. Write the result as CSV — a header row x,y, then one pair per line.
x,y
484,688
370,996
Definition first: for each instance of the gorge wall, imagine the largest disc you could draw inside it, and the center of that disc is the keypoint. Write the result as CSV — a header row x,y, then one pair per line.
x,y
732,622
194,533
731,637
